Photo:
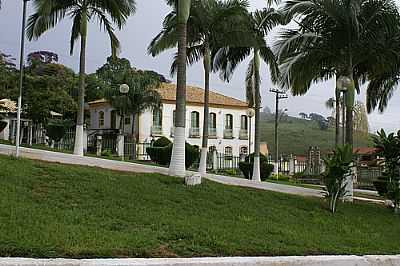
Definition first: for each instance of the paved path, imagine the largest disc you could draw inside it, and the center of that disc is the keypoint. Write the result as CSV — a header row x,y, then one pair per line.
x,y
141,168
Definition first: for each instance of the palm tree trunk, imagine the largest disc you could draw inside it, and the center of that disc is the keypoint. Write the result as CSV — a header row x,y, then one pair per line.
x,y
337,116
177,164
78,146
204,147
349,113
257,103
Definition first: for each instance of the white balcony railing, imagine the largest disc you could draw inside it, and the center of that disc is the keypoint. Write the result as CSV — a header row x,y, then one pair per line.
x,y
212,132
156,130
194,132
243,134
228,133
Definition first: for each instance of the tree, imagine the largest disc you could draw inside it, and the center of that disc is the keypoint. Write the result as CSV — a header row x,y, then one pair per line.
x,y
213,24
140,97
335,38
45,57
226,60
8,77
108,12
177,165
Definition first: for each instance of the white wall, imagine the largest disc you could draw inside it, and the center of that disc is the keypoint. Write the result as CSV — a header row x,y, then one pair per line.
x,y
220,143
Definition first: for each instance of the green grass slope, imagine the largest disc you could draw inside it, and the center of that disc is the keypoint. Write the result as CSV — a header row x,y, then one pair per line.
x,y
297,135
51,210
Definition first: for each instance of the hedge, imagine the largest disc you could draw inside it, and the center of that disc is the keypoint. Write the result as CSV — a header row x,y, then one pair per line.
x,y
162,155
265,168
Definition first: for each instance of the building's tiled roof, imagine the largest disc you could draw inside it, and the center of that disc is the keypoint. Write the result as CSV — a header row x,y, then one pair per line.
x,y
194,95
365,150
7,105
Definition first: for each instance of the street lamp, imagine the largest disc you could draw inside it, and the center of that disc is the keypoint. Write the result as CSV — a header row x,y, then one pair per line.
x,y
250,113
343,84
21,77
123,89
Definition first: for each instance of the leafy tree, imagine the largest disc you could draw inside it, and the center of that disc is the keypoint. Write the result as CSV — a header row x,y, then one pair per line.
x,y
227,59
106,13
44,57
338,37
114,69
338,167
140,97
8,77
213,24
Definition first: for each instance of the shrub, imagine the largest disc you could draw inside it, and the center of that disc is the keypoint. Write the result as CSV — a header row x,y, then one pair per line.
x,y
56,129
107,153
337,168
162,155
265,168
381,185
162,142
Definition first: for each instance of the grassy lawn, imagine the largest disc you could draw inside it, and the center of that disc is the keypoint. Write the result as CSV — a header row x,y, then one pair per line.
x,y
52,210
290,132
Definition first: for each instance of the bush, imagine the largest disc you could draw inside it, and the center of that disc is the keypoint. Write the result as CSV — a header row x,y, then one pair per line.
x,y
56,129
265,168
162,142
107,153
381,185
162,155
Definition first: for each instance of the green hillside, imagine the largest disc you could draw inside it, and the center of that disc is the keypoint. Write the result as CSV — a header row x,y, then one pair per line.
x,y
297,135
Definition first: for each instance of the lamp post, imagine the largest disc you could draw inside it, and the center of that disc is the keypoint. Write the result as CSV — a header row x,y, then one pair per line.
x,y
21,78
250,114
124,90
344,83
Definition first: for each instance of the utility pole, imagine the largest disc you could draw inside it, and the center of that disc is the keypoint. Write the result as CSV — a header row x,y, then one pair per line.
x,y
279,95
21,78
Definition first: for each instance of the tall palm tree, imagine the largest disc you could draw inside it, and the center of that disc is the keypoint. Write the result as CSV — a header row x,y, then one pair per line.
x,y
335,38
107,13
177,164
226,60
211,25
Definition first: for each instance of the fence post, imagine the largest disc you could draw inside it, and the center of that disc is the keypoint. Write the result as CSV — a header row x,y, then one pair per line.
x,y
98,145
215,160
349,184
292,166
120,145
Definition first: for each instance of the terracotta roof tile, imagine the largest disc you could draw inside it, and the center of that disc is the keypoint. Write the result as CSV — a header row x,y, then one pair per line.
x,y
194,95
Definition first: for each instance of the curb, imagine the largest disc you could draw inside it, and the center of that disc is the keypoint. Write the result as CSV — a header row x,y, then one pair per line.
x,y
231,261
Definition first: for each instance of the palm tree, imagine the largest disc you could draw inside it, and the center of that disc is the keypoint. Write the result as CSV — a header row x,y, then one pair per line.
x,y
335,38
141,96
177,164
107,13
210,26
226,60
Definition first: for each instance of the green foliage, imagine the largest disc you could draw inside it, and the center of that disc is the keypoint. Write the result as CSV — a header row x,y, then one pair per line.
x,y
56,129
162,155
107,153
338,167
388,146
161,142
265,168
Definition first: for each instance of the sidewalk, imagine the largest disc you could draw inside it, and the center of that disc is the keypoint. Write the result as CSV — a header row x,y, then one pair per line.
x,y
64,158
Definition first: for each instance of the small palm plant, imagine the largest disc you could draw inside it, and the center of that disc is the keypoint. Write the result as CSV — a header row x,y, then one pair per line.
x,y
338,168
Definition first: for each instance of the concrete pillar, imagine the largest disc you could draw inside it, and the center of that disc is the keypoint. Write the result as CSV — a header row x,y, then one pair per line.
x,y
215,160
349,181
292,165
98,145
120,146
30,134
85,140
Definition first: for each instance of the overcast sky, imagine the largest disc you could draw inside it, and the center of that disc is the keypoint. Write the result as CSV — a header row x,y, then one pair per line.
x,y
135,37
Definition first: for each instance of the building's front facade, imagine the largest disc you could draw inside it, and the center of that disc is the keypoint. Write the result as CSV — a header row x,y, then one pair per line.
x,y
230,127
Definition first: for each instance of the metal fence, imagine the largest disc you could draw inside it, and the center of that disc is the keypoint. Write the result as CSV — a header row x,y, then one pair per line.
x,y
141,150
367,175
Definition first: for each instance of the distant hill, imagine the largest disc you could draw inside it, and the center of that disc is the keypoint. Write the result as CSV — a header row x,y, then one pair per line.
x,y
296,135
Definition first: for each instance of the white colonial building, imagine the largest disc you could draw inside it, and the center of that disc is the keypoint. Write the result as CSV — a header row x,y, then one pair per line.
x,y
229,125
